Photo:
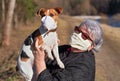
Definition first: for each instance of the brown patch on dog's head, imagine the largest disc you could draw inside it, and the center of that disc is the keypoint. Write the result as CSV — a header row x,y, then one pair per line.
x,y
41,12
53,12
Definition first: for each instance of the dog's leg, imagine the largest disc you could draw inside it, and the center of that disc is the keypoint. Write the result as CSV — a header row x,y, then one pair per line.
x,y
56,55
26,70
48,51
25,62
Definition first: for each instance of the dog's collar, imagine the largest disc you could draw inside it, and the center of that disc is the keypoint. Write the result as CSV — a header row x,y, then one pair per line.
x,y
52,30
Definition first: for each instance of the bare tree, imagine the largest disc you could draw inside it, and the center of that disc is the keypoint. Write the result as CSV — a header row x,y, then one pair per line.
x,y
3,11
8,22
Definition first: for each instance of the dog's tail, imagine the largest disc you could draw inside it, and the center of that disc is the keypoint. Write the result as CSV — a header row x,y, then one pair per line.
x,y
17,69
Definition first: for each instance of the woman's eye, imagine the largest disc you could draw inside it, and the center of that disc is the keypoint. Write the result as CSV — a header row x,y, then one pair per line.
x,y
84,36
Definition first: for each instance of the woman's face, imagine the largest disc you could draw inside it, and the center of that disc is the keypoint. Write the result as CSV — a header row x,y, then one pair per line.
x,y
85,34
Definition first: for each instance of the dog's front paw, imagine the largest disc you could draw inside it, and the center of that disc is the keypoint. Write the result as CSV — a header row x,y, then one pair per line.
x,y
61,65
51,58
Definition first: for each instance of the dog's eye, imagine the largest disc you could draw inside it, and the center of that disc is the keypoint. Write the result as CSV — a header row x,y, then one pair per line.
x,y
51,15
43,15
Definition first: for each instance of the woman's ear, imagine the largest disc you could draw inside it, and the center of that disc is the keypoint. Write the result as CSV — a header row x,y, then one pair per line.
x,y
91,47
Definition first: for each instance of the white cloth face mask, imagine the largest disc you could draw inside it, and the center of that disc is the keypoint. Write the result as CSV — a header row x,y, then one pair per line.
x,y
48,22
78,42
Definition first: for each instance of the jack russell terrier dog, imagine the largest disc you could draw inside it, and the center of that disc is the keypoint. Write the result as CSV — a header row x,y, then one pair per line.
x,y
46,34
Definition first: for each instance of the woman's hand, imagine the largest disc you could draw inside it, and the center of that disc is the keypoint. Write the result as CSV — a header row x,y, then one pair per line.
x,y
39,57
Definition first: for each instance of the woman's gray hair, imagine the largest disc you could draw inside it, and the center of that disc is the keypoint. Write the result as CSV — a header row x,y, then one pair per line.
x,y
95,30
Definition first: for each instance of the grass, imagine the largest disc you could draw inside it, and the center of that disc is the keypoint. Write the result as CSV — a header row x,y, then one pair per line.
x,y
113,35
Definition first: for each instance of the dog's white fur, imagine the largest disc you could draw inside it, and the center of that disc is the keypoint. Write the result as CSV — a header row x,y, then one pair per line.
x,y
51,44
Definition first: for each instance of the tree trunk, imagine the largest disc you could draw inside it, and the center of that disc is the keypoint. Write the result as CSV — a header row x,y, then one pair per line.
x,y
8,23
3,12
15,21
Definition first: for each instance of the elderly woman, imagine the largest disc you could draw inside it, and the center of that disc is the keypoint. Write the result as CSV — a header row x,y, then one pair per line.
x,y
78,57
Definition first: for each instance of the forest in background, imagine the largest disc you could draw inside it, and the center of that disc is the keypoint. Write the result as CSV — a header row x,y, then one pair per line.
x,y
26,9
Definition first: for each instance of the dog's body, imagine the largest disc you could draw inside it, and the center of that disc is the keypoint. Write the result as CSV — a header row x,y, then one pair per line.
x,y
47,36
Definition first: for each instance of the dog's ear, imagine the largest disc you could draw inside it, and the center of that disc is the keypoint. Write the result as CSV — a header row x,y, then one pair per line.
x,y
41,12
58,10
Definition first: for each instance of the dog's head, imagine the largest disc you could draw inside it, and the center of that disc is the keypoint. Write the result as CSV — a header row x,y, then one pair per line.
x,y
53,12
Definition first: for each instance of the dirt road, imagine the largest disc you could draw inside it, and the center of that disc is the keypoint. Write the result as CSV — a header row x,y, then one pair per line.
x,y
108,61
